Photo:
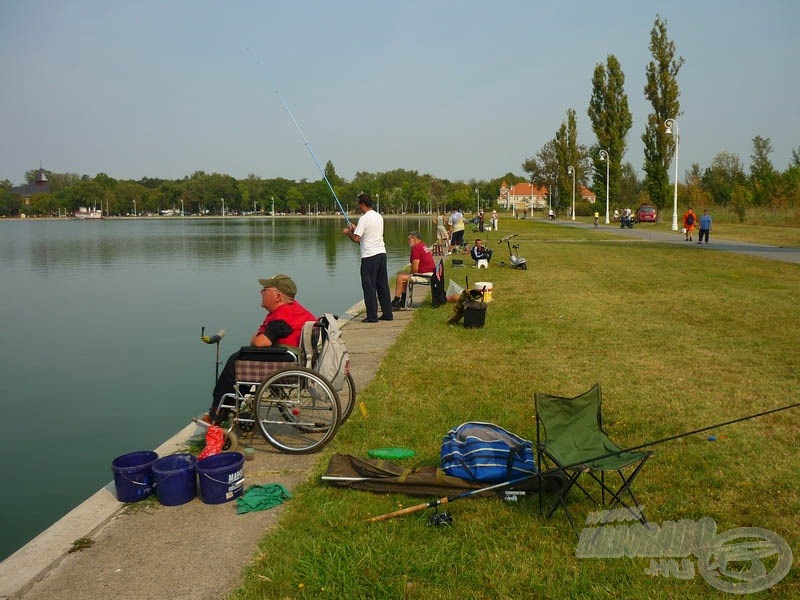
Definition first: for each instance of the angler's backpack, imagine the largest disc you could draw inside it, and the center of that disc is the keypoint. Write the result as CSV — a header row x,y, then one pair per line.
x,y
486,453
690,219
325,350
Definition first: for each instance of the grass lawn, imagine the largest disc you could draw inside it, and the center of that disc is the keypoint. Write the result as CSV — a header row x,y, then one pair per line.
x,y
679,337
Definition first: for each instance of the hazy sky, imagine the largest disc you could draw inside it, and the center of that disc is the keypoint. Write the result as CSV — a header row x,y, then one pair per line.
x,y
459,89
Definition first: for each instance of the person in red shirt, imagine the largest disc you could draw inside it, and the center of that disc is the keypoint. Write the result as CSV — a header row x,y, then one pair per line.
x,y
282,326
421,264
689,223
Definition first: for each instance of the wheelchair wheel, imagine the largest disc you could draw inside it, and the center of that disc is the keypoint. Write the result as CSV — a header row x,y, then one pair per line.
x,y
231,442
297,410
347,398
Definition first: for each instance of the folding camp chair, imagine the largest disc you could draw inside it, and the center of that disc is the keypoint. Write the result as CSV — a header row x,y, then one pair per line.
x,y
570,438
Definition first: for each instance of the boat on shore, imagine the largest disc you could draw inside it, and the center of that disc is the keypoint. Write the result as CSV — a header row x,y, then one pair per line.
x,y
88,213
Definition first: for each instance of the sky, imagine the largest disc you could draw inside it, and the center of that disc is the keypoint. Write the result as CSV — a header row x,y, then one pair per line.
x,y
460,90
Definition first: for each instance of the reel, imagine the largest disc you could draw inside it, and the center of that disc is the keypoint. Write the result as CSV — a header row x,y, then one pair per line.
x,y
440,518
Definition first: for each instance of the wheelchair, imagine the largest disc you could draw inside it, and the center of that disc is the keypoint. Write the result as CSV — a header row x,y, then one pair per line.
x,y
295,408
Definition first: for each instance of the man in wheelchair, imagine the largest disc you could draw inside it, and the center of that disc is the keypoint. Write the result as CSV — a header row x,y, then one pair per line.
x,y
281,327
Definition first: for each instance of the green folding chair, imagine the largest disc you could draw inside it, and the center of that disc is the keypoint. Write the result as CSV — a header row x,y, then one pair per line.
x,y
570,438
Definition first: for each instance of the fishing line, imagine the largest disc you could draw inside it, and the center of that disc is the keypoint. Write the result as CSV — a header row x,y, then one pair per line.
x,y
305,141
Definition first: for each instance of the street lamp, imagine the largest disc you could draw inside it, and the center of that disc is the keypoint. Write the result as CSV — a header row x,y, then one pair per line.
x,y
669,124
571,171
223,206
477,200
604,156
182,213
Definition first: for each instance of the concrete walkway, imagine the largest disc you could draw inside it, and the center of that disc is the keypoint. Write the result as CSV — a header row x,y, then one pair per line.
x,y
194,551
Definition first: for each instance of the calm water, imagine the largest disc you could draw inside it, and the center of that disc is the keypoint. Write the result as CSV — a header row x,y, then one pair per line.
x,y
99,346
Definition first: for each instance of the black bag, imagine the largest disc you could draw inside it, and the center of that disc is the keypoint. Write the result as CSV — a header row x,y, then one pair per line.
x,y
438,294
474,313
690,219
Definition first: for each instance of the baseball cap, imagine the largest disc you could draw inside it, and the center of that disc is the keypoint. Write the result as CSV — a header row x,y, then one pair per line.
x,y
282,283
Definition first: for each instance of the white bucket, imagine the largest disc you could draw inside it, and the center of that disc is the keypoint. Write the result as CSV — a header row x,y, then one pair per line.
x,y
486,287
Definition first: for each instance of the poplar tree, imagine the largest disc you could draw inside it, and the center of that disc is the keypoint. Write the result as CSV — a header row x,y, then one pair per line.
x,y
661,89
611,120
762,174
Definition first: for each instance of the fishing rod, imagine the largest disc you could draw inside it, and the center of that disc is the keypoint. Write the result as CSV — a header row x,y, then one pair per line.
x,y
305,141
448,499
314,156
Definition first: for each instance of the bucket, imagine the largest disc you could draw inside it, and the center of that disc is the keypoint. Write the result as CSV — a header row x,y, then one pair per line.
x,y
176,479
487,292
133,475
221,477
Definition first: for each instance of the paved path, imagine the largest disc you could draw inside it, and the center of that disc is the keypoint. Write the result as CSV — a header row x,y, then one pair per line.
x,y
647,233
191,552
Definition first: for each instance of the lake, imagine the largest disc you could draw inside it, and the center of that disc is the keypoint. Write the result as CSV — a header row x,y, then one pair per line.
x,y
100,350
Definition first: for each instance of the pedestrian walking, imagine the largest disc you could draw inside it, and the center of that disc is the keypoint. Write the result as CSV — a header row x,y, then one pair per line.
x,y
705,226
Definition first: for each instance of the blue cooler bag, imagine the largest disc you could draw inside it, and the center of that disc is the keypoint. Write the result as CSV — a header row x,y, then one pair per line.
x,y
486,453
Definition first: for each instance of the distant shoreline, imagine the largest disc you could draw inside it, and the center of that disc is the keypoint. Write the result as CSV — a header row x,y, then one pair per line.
x,y
217,217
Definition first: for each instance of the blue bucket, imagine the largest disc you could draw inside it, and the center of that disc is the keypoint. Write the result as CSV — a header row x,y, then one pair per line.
x,y
133,475
221,477
176,479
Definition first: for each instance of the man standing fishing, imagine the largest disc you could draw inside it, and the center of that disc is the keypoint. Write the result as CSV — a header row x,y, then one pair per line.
x,y
374,274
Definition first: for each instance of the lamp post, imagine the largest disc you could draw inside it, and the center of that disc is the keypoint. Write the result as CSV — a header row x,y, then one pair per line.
x,y
571,171
669,124
477,200
604,156
182,213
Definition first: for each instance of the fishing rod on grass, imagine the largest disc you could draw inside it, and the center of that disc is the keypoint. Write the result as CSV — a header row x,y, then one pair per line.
x,y
305,141
448,499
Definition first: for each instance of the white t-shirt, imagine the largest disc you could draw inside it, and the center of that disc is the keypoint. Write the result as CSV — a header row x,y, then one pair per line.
x,y
370,228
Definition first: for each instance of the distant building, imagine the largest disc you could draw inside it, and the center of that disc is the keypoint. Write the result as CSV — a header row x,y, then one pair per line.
x,y
40,186
522,197
587,195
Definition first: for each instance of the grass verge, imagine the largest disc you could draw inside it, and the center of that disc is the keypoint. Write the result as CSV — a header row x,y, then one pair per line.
x,y
679,337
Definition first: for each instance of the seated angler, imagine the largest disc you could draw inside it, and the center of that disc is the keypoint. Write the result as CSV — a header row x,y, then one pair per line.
x,y
480,252
282,326
421,264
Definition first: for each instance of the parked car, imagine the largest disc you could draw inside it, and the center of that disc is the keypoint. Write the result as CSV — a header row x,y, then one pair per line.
x,y
646,214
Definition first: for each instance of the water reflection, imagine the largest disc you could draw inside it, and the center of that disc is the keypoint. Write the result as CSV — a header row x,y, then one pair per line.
x,y
100,351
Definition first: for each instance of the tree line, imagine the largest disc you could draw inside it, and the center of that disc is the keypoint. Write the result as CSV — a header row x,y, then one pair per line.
x,y
395,192
601,167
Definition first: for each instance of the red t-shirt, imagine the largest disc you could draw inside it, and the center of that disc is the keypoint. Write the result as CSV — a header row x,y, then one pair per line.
x,y
423,254
294,315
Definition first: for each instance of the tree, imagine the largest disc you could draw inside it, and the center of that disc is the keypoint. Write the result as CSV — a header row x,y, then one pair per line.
x,y
724,175
569,154
661,89
611,120
762,174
